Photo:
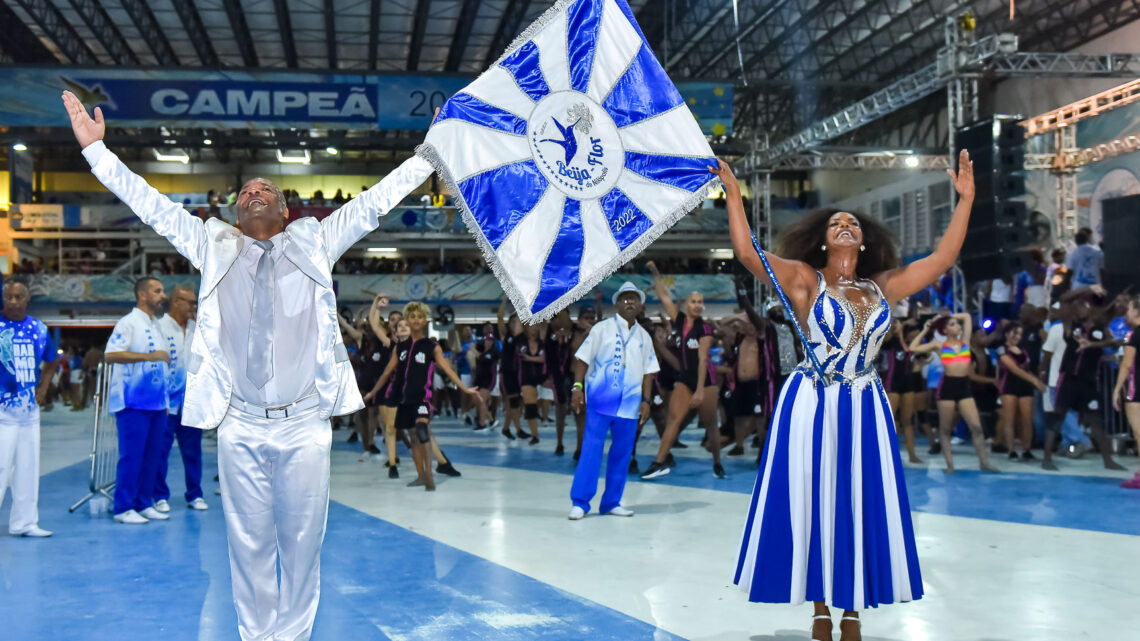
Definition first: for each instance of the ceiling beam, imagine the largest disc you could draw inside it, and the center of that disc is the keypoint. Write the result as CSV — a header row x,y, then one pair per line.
x,y
419,26
285,28
462,34
105,30
373,33
18,41
509,26
236,16
59,31
141,14
196,32
330,32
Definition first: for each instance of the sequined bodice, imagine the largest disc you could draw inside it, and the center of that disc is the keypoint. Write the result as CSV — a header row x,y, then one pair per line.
x,y
846,338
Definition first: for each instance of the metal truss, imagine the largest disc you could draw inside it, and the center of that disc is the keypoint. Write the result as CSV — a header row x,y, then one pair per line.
x,y
1067,64
697,21
236,17
59,30
141,14
196,32
463,25
105,30
837,161
1092,106
18,42
954,67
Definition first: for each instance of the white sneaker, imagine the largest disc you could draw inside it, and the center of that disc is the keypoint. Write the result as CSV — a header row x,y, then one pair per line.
x,y
131,517
364,457
620,511
217,491
198,504
162,505
154,515
576,513
34,531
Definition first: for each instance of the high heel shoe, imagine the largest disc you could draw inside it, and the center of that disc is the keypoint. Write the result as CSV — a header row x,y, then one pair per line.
x,y
811,631
858,625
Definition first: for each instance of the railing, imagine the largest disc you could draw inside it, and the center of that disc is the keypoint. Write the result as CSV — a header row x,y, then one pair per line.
x,y
104,445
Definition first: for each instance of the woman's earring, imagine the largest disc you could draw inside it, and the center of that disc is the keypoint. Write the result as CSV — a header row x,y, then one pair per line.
x,y
862,248
823,248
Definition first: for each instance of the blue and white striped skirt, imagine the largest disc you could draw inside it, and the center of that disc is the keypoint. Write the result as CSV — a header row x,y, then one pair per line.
x,y
829,518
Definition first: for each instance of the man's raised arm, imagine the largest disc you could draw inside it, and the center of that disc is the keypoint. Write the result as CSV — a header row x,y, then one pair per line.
x,y
361,215
184,230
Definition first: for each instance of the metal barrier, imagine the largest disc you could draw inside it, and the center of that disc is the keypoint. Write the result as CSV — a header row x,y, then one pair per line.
x,y
104,443
1115,423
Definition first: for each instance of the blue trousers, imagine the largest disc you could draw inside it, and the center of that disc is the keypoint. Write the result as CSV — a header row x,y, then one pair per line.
x,y
140,439
190,447
617,464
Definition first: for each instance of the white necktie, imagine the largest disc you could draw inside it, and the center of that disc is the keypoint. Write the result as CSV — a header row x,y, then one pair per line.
x,y
259,351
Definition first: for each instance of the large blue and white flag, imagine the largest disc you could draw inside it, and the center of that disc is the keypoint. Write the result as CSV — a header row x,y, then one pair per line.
x,y
570,154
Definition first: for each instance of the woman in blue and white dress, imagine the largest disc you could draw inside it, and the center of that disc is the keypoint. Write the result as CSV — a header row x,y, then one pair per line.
x,y
829,520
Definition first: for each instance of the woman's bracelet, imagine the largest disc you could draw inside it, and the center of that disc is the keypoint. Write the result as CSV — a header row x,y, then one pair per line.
x,y
576,385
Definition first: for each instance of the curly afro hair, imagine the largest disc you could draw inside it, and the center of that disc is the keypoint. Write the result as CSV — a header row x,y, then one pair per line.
x,y
802,241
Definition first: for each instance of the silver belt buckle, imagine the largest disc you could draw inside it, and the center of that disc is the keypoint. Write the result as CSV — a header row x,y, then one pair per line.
x,y
277,412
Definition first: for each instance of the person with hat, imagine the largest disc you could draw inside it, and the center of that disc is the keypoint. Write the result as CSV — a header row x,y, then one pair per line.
x,y
613,375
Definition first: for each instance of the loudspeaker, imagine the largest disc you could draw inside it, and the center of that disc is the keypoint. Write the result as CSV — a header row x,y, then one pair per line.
x,y
1120,235
998,237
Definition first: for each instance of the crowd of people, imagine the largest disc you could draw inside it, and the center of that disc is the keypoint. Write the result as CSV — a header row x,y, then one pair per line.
x,y
1033,378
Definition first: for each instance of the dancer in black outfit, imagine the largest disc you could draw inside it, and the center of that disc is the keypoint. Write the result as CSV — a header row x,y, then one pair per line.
x,y
532,373
559,359
411,370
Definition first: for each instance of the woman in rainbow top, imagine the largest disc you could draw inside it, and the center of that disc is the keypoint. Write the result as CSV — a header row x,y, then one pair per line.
x,y
954,398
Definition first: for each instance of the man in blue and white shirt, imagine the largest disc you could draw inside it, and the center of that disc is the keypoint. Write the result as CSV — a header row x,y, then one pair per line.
x,y
138,397
613,373
28,358
178,327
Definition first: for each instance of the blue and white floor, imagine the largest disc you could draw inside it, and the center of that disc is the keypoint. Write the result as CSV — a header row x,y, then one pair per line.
x,y
1022,555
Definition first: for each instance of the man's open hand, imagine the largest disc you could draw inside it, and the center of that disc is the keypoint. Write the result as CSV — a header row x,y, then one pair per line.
x,y
87,130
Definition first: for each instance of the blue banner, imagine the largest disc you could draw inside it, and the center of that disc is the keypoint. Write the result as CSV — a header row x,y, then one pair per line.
x,y
269,100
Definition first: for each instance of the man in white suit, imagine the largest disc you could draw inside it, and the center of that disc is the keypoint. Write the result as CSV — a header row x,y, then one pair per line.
x,y
267,367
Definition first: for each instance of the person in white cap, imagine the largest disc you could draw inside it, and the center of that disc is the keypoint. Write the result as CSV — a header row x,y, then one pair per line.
x,y
613,374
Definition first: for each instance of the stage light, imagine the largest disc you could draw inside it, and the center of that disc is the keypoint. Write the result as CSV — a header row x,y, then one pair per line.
x,y
987,323
725,254
19,147
381,250
911,161
332,151
207,142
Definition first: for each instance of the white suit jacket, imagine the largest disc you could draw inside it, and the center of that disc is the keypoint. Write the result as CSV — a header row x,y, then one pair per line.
x,y
213,246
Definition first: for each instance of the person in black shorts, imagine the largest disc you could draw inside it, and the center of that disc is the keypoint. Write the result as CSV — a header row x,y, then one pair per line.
x,y
488,351
1017,386
558,362
898,382
748,375
1125,395
690,342
587,316
411,370
510,376
384,397
532,373
1078,386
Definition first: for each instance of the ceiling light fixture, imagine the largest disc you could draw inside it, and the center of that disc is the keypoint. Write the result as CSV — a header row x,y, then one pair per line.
x,y
297,158
176,155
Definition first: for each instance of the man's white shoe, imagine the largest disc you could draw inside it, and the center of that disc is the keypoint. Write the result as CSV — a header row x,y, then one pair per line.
x,y
162,505
131,517
620,511
198,504
154,515
576,513
364,456
35,531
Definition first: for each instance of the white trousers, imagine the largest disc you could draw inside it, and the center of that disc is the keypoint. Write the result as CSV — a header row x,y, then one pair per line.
x,y
20,469
275,493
